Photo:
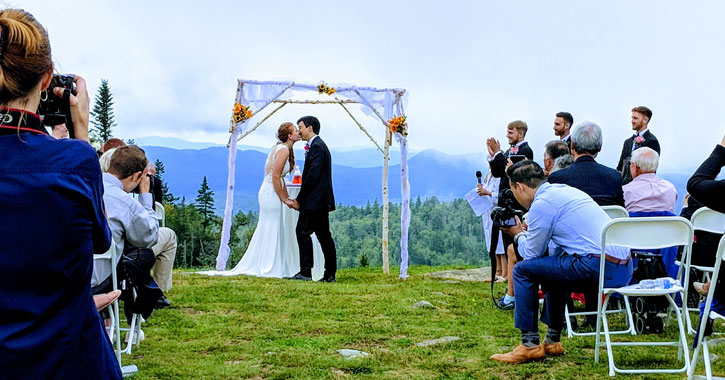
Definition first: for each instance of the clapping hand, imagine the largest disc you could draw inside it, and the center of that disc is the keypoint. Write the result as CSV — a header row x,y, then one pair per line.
x,y
493,146
723,142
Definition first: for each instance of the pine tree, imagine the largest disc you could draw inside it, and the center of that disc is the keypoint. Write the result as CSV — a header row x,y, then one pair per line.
x,y
205,203
165,192
102,113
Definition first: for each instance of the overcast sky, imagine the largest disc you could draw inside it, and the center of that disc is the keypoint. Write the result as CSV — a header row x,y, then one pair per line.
x,y
470,66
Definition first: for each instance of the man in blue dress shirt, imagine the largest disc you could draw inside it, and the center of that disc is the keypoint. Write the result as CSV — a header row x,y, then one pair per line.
x,y
572,222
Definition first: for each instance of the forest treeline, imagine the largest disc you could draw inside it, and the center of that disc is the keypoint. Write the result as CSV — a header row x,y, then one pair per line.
x,y
441,233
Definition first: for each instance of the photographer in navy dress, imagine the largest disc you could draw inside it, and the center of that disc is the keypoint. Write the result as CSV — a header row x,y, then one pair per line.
x,y
52,218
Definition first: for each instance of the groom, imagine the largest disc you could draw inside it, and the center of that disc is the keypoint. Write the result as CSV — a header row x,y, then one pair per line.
x,y
314,201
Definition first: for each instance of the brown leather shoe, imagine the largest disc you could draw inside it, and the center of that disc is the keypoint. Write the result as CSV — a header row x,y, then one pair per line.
x,y
521,354
553,349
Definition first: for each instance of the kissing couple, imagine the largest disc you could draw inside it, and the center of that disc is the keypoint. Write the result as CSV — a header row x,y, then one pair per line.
x,y
280,247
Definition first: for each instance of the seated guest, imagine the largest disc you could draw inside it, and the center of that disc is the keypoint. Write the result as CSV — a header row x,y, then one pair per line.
x,y
704,245
59,131
704,186
165,249
562,162
552,151
51,221
601,183
112,143
105,159
573,222
133,225
647,192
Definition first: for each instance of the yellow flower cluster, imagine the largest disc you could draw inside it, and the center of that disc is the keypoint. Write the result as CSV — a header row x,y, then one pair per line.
x,y
398,124
323,88
241,113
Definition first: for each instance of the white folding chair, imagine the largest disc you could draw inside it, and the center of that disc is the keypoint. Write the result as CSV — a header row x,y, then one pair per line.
x,y
643,233
707,220
114,331
160,213
702,339
615,212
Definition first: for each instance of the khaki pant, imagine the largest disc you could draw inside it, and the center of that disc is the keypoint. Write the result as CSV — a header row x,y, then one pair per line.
x,y
165,252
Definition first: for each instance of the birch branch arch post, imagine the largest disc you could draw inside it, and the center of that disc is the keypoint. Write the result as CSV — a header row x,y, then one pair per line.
x,y
387,105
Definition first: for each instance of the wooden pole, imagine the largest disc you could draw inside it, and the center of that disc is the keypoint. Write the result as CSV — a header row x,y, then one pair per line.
x,y
386,158
362,129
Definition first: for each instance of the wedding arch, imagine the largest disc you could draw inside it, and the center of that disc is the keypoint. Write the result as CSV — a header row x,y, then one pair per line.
x,y
387,105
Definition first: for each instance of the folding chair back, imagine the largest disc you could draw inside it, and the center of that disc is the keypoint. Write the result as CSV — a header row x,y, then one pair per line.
x,y
708,220
615,212
643,233
648,232
160,213
708,314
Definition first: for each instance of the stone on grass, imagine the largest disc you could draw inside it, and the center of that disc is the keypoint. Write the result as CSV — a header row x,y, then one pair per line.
x,y
450,282
469,275
438,293
423,305
352,354
433,342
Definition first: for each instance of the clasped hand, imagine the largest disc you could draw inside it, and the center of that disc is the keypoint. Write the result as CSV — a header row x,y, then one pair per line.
x,y
292,203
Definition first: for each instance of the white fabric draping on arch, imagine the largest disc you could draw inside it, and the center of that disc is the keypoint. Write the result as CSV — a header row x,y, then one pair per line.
x,y
381,103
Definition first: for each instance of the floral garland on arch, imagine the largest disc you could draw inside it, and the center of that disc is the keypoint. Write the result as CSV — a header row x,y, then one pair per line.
x,y
398,124
241,113
323,88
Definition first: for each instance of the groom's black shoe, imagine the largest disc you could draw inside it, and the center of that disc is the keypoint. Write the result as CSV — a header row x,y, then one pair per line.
x,y
299,276
327,279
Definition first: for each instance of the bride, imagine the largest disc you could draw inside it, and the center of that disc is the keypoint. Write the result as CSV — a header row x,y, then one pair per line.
x,y
273,251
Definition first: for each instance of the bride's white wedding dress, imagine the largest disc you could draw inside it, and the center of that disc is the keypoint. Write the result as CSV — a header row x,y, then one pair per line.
x,y
273,250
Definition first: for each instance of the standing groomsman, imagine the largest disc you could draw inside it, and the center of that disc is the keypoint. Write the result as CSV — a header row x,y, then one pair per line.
x,y
642,137
499,161
562,126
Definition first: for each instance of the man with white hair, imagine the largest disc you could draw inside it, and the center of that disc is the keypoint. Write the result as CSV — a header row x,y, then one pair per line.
x,y
647,192
601,183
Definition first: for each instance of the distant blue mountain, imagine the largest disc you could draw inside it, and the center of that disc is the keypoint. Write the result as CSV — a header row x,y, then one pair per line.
x,y
431,173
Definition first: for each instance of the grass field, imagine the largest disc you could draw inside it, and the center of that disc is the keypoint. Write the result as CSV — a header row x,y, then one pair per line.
x,y
255,328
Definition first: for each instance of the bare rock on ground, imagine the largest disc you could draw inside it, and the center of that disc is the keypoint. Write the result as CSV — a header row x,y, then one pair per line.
x,y
433,342
469,275
352,354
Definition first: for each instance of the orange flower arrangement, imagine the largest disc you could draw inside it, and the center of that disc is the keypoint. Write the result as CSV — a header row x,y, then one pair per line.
x,y
323,88
241,113
398,124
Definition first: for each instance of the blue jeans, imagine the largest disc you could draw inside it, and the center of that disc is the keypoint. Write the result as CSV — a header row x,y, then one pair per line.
x,y
557,275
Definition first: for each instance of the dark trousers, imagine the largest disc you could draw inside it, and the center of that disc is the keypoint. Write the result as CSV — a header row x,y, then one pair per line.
x,y
555,274
317,222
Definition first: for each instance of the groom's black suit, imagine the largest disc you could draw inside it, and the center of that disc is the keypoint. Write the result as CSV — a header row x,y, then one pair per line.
x,y
316,200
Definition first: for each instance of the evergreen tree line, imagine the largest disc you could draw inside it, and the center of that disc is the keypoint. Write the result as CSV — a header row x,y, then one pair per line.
x,y
441,233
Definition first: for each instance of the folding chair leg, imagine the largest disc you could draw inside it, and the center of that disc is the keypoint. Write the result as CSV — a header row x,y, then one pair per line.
x,y
630,319
682,327
706,353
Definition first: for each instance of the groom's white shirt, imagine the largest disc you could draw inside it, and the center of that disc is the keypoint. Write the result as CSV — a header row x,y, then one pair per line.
x,y
309,143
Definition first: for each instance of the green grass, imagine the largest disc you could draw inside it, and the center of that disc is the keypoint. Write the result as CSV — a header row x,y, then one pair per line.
x,y
255,328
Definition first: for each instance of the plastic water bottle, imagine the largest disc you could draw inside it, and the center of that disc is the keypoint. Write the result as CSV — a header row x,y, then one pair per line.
x,y
658,283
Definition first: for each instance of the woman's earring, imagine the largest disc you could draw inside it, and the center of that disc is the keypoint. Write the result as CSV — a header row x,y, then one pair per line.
x,y
44,93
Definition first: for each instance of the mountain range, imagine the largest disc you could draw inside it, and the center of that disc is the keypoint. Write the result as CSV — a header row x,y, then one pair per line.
x,y
356,177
